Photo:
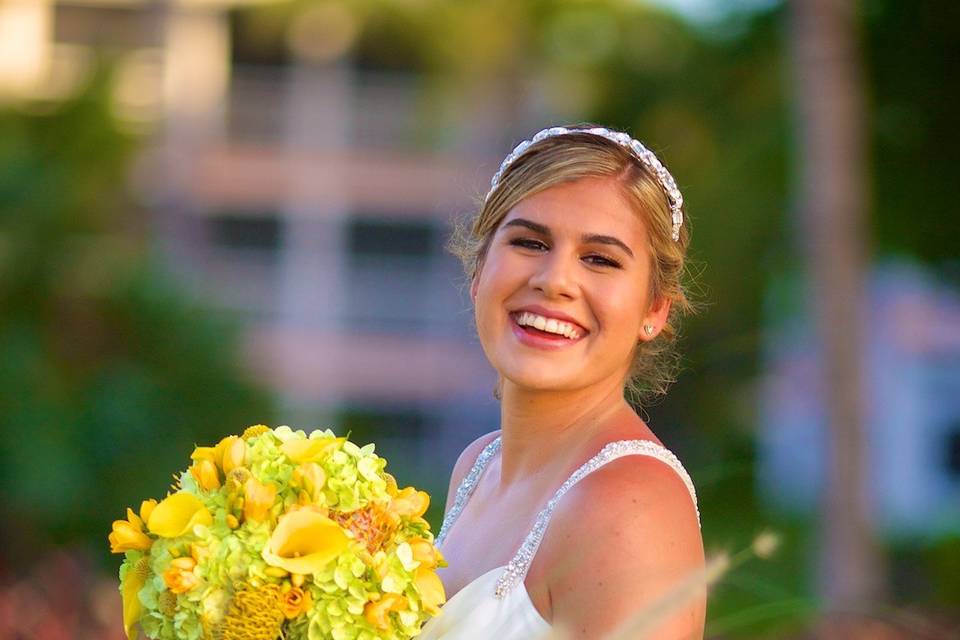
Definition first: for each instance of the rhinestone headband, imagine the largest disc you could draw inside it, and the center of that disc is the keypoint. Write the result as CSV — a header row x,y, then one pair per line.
x,y
635,147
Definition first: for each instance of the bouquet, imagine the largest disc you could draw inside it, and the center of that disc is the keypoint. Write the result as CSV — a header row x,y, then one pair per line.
x,y
280,534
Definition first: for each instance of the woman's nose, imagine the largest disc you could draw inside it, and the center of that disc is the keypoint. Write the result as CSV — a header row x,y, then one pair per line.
x,y
554,276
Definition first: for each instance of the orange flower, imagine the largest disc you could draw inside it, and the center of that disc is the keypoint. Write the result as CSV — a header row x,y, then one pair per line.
x,y
431,590
295,602
425,553
410,502
258,499
180,577
128,534
206,474
377,613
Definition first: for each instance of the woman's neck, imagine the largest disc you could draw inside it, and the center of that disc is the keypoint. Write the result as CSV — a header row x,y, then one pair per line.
x,y
544,429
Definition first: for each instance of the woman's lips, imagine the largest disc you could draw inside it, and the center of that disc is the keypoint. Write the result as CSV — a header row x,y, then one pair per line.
x,y
539,339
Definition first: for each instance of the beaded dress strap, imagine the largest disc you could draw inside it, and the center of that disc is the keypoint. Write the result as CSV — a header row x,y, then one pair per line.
x,y
467,485
516,570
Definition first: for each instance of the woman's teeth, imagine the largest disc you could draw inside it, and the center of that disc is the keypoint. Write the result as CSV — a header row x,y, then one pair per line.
x,y
550,325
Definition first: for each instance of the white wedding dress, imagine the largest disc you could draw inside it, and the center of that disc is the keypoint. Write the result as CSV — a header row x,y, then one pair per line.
x,y
496,605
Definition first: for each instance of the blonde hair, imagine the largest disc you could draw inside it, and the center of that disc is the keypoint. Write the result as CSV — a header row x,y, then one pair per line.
x,y
566,158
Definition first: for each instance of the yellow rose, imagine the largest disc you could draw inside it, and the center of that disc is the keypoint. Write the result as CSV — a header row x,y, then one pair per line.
x,y
295,602
180,577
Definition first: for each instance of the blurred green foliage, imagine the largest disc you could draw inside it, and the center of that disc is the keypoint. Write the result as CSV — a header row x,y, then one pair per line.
x,y
109,371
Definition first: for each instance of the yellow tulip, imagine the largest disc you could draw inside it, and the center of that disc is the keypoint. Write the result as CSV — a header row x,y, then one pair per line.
x,y
233,453
133,581
311,450
258,499
431,590
178,514
206,474
377,613
410,503
304,541
127,536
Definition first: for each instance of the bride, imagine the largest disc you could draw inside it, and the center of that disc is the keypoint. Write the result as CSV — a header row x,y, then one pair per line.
x,y
572,516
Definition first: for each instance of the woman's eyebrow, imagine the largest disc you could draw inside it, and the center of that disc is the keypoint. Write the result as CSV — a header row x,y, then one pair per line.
x,y
590,238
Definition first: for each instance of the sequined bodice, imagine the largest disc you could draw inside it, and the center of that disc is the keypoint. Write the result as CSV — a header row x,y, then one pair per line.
x,y
516,570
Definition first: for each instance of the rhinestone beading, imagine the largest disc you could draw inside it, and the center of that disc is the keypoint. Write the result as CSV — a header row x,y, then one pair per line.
x,y
639,151
466,488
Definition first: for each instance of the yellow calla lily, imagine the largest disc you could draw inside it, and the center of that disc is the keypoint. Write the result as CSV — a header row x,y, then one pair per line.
x,y
178,514
130,587
410,503
311,450
304,542
431,590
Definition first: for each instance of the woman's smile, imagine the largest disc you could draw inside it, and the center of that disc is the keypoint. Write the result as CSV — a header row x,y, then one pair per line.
x,y
541,329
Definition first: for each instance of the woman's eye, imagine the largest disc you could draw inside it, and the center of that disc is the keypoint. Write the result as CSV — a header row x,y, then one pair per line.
x,y
602,261
528,243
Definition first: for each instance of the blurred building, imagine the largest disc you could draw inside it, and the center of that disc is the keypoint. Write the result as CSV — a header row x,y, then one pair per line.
x,y
312,196
912,369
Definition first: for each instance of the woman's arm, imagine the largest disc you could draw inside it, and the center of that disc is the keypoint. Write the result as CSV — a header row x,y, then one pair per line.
x,y
622,539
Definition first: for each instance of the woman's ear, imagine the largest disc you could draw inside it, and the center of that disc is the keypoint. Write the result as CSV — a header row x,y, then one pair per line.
x,y
656,318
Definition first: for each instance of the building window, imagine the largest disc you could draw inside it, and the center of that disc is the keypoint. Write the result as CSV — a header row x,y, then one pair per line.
x,y
246,231
953,451
390,269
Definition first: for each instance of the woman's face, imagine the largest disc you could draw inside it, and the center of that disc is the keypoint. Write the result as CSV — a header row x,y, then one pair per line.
x,y
561,293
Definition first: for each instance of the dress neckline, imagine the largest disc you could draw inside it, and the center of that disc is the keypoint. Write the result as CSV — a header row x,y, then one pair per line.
x,y
515,571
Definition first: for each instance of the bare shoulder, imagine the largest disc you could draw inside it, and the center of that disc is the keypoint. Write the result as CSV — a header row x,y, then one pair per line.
x,y
623,538
465,462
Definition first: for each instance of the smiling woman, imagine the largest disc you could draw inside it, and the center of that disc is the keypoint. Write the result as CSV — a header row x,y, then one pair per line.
x,y
572,516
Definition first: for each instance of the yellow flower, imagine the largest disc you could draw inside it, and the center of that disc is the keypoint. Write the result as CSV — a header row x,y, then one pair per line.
x,y
311,477
304,541
410,503
255,430
232,453
377,613
178,514
258,499
146,508
133,581
311,450
206,474
431,590
128,534
204,453
180,577
295,602
425,553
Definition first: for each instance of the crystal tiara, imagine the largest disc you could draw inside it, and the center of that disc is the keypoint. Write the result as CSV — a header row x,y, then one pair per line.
x,y
635,147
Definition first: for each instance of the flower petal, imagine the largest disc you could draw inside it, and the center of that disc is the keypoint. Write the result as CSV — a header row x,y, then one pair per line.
x,y
130,587
431,590
177,515
310,450
304,541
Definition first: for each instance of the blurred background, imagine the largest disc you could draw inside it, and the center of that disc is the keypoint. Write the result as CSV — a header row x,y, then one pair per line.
x,y
217,213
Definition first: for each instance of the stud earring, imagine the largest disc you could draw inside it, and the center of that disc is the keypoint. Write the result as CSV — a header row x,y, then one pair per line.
x,y
648,329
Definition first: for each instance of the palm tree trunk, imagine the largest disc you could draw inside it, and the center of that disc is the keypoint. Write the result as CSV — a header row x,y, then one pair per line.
x,y
833,208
